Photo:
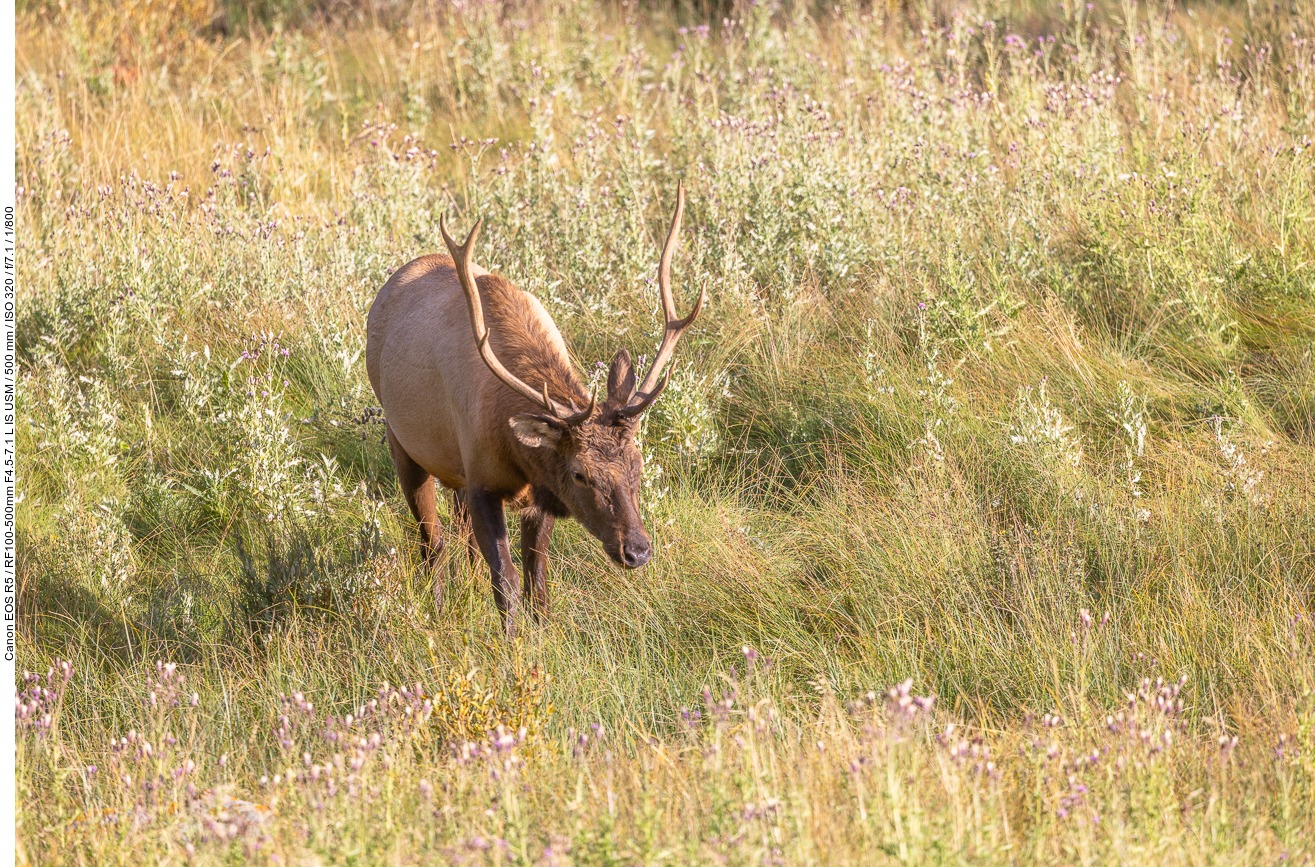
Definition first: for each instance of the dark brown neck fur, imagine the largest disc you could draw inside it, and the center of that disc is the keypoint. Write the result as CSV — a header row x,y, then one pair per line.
x,y
523,345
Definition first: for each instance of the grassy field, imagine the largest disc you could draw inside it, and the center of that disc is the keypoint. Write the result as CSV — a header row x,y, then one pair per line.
x,y
981,496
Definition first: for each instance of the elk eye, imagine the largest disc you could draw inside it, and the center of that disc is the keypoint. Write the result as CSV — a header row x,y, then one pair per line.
x,y
579,477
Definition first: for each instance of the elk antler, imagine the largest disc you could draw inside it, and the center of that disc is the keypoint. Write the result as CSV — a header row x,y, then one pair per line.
x,y
461,259
652,386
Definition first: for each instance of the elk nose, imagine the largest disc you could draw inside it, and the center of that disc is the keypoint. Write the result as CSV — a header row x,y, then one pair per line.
x,y
636,553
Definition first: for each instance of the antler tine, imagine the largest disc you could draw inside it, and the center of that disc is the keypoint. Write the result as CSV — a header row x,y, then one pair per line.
x,y
668,250
587,411
674,328
461,259
644,400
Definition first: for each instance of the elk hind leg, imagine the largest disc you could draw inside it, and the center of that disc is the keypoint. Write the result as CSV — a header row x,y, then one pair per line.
x,y
462,526
418,488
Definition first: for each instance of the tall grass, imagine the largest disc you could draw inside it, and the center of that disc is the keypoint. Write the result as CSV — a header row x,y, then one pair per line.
x,y
981,495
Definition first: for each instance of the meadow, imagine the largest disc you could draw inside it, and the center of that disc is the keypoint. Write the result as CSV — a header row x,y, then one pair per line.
x,y
981,495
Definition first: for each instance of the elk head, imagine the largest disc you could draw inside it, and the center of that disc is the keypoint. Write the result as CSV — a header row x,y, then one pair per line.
x,y
587,463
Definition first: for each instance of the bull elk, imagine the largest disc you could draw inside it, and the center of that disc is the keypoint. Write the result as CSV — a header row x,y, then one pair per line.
x,y
479,393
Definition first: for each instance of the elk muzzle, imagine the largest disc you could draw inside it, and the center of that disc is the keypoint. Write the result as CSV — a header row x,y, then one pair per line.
x,y
635,551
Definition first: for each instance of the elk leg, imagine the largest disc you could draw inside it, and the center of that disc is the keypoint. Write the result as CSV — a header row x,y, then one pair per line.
x,y
461,524
418,488
536,531
489,522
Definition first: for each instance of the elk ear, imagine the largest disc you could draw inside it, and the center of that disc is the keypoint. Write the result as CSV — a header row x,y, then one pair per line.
x,y
621,379
538,431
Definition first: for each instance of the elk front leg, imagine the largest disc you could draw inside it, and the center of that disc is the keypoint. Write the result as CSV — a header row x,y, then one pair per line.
x,y
418,488
489,522
536,530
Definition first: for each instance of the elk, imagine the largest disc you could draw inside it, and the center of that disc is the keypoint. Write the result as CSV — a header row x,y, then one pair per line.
x,y
479,393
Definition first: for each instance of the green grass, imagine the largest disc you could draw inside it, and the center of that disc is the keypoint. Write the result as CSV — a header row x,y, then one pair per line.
x,y
1005,385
